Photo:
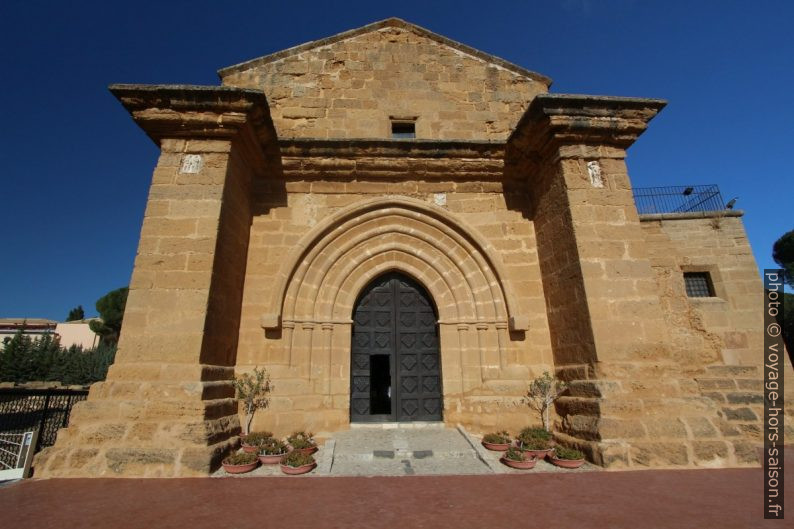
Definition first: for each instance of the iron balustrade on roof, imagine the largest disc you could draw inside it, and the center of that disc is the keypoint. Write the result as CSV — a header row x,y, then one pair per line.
x,y
678,199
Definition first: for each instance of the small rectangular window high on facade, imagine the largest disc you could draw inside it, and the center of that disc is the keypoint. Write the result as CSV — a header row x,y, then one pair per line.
x,y
402,130
698,285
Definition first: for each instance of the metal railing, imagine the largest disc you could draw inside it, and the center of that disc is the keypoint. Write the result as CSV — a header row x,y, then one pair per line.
x,y
24,409
15,455
678,199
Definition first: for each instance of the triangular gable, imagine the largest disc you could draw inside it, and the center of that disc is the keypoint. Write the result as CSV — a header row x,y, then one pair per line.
x,y
375,26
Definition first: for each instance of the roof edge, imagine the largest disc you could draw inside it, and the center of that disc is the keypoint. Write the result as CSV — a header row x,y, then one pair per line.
x,y
375,26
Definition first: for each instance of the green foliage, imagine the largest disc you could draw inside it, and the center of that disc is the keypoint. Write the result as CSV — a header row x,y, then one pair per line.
x,y
257,438
297,459
272,447
531,443
497,437
25,359
111,310
76,313
514,454
253,390
783,254
300,440
534,432
16,362
542,393
240,459
562,452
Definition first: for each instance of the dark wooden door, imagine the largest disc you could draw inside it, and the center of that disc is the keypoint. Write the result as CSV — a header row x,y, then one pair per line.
x,y
395,365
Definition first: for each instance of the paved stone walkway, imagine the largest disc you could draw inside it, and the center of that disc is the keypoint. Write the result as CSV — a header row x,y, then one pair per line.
x,y
405,450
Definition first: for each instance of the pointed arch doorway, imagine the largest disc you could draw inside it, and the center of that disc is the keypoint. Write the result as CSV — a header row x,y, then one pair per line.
x,y
396,364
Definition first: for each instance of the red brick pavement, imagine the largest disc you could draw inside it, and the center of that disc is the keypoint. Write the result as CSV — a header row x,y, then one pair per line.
x,y
726,499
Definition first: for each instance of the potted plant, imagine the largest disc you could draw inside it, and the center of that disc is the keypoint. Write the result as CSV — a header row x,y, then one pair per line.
x,y
535,432
252,390
297,463
539,448
253,440
535,442
567,457
302,442
515,458
542,393
497,441
272,451
240,463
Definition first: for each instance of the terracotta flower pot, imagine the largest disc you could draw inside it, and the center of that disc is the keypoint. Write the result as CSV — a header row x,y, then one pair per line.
x,y
306,451
271,459
496,447
250,449
540,454
239,469
567,463
294,471
526,464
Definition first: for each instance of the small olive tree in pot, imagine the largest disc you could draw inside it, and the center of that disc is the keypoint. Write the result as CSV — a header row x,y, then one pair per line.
x,y
542,393
253,390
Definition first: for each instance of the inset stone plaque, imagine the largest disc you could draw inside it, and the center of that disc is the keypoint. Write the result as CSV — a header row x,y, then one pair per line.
x,y
191,164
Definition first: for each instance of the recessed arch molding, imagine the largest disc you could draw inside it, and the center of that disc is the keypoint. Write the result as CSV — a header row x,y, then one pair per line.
x,y
319,281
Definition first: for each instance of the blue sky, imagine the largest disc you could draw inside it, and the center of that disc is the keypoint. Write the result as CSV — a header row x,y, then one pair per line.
x,y
76,169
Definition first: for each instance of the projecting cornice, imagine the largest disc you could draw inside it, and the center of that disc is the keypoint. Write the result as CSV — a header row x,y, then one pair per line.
x,y
555,120
391,159
190,111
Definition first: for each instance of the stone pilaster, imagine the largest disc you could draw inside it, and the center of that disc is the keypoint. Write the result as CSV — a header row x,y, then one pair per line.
x,y
629,403
167,406
599,285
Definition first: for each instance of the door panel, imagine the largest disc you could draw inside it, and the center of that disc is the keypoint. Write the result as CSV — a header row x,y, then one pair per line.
x,y
394,316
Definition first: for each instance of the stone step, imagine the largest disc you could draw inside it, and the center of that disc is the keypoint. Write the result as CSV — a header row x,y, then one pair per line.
x,y
404,450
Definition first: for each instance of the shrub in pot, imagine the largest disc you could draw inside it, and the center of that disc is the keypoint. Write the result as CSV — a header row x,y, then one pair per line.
x,y
302,442
272,451
515,458
252,390
253,440
535,432
535,447
240,463
297,463
542,393
567,457
497,441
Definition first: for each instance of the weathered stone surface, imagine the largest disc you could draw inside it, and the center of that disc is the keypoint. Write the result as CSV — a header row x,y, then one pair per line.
x,y
745,398
659,454
513,208
740,414
710,453
119,458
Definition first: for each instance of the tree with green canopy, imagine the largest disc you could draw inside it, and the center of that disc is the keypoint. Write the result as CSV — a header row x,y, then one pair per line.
x,y
111,311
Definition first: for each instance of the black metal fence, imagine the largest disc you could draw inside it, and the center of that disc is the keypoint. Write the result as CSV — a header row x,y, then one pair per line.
x,y
24,409
678,199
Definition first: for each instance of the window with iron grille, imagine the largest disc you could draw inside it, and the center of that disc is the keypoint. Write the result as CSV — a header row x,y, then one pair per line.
x,y
698,285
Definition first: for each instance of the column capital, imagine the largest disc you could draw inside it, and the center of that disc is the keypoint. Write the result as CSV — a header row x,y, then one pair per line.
x,y
553,121
196,112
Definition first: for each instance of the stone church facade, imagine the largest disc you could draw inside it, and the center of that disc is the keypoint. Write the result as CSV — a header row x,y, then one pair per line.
x,y
400,228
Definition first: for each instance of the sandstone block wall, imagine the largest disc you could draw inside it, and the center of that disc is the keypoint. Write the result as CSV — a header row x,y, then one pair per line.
x,y
425,228
515,212
725,328
351,88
